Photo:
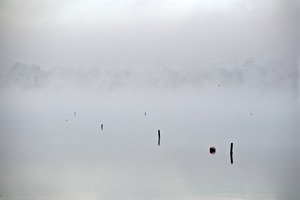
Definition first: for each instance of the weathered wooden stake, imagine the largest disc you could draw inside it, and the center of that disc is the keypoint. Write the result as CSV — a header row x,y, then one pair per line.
x,y
158,137
231,153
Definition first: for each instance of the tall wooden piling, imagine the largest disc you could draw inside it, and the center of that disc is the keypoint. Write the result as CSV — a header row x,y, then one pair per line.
x,y
231,153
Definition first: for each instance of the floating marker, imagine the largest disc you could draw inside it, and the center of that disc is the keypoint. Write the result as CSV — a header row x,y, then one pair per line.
x,y
212,150
101,127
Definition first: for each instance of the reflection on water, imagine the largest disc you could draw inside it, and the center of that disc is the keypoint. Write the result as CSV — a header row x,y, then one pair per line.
x,y
43,157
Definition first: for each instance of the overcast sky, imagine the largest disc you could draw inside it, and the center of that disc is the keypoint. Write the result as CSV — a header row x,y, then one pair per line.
x,y
136,32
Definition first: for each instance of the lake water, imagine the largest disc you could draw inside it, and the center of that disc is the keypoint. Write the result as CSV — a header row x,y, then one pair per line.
x,y
43,156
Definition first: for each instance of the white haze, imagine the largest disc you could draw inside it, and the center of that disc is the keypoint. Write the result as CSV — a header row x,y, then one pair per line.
x,y
140,33
137,44
205,72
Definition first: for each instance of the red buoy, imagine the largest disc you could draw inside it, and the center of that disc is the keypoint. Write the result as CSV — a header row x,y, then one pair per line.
x,y
212,150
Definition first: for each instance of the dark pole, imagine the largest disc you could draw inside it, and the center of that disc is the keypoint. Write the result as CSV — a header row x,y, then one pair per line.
x,y
158,137
231,153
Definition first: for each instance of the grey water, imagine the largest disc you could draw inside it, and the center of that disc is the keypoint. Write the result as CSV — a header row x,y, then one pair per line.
x,y
43,156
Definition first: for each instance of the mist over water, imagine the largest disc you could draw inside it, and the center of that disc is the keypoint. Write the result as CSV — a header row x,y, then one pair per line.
x,y
43,156
202,73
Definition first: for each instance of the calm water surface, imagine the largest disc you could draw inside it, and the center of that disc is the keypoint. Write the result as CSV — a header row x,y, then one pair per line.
x,y
43,156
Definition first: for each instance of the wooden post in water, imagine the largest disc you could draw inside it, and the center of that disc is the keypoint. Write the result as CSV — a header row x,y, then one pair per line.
x,y
231,153
158,137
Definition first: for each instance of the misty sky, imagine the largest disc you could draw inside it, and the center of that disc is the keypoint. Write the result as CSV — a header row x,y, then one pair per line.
x,y
138,33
